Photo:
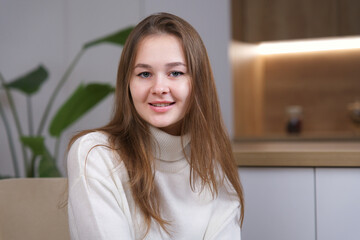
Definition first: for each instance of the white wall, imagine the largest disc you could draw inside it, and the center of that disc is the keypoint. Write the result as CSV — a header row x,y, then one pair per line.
x,y
52,32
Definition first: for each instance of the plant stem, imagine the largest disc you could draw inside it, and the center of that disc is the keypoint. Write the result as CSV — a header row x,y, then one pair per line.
x,y
31,170
57,146
57,89
16,118
11,142
30,116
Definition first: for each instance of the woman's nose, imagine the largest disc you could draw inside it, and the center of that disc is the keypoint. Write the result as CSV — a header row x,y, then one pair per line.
x,y
160,86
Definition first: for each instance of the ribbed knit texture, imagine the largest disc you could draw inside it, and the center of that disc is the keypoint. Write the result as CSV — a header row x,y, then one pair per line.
x,y
168,150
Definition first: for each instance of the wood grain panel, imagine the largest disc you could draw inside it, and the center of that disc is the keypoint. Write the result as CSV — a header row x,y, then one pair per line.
x,y
263,20
247,70
322,83
299,154
348,17
297,159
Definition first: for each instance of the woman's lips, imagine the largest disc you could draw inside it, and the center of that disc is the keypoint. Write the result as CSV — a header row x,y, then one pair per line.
x,y
161,107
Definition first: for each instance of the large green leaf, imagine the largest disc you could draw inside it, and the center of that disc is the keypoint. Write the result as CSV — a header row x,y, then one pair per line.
x,y
47,166
31,82
118,38
81,101
36,144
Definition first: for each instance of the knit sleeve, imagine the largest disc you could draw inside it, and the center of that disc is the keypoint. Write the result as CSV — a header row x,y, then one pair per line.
x,y
225,222
97,203
230,229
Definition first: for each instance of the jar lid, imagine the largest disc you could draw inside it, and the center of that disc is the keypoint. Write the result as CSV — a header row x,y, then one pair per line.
x,y
294,110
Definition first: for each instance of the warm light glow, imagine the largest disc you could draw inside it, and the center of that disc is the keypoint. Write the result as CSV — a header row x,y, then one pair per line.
x,y
329,44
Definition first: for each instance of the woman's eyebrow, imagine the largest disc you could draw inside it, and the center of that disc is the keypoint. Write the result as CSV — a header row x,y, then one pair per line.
x,y
171,64
175,64
142,65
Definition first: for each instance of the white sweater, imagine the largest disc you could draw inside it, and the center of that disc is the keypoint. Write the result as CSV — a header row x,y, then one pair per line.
x,y
101,206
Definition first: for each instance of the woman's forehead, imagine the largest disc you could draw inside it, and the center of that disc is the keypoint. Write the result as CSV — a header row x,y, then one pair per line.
x,y
162,49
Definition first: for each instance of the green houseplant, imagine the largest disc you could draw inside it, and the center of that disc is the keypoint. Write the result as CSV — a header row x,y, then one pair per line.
x,y
38,159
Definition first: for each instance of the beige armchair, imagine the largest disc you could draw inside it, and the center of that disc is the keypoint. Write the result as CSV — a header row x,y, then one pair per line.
x,y
33,209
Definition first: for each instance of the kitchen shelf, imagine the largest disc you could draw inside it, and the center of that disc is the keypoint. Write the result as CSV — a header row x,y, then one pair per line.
x,y
297,154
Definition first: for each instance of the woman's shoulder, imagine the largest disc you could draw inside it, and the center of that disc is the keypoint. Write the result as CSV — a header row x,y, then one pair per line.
x,y
92,154
91,138
89,141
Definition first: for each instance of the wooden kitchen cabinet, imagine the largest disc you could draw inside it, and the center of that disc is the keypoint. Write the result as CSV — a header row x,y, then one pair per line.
x,y
263,20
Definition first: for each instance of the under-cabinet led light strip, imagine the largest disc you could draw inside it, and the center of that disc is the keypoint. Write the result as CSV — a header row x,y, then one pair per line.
x,y
295,46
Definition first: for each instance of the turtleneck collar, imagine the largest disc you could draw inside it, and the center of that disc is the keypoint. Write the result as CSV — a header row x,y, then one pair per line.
x,y
168,147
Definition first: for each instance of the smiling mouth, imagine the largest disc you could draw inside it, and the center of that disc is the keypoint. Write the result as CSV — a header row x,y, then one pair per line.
x,y
162,104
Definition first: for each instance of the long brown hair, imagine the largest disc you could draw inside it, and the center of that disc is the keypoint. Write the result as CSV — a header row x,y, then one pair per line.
x,y
211,153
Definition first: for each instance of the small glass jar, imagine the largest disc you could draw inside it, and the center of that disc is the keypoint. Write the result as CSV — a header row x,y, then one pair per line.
x,y
294,123
354,110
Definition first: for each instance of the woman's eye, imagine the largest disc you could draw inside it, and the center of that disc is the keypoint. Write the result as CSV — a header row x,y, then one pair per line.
x,y
176,74
144,74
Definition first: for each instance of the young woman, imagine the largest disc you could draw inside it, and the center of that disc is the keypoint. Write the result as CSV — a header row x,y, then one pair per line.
x,y
162,168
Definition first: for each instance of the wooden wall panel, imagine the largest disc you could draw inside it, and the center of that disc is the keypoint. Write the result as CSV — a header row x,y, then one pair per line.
x,y
323,83
248,90
348,17
263,20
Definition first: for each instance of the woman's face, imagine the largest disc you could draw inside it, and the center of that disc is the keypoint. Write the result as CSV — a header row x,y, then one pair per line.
x,y
160,83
